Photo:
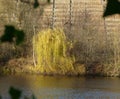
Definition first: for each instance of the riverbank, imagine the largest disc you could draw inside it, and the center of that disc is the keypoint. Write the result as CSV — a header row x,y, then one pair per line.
x,y
22,65
26,66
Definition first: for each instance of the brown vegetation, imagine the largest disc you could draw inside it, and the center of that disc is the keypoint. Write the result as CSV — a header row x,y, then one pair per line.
x,y
94,40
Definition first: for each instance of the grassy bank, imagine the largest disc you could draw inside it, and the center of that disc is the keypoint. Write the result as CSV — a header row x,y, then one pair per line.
x,y
54,54
78,71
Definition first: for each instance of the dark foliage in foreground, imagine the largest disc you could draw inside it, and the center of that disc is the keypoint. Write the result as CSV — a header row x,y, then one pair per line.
x,y
113,7
12,35
16,94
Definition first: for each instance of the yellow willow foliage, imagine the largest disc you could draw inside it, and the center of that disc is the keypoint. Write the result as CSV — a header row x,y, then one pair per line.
x,y
51,48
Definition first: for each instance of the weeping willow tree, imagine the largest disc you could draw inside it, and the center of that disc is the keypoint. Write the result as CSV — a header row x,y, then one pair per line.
x,y
51,48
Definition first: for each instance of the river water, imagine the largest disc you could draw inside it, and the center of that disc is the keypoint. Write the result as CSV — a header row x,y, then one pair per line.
x,y
59,87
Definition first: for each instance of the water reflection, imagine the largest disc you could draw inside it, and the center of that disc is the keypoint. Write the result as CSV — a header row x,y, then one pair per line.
x,y
48,87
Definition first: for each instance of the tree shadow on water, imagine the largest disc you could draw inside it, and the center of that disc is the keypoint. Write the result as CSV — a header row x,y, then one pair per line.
x,y
17,94
16,87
